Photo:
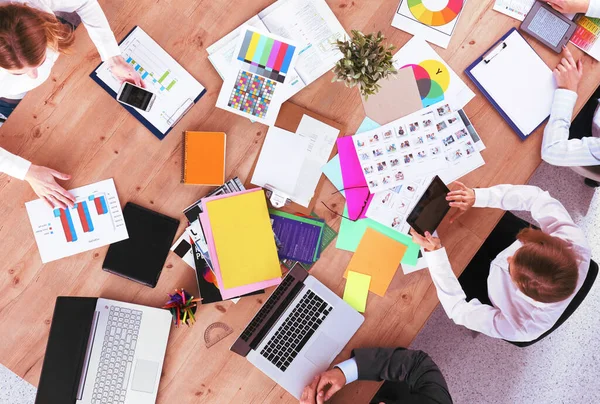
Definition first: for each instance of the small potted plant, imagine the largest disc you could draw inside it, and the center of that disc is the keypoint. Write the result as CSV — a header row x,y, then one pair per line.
x,y
366,61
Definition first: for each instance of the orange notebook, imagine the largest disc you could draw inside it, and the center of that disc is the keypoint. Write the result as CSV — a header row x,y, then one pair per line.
x,y
204,158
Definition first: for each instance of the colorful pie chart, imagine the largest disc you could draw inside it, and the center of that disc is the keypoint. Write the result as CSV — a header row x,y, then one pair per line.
x,y
433,80
434,17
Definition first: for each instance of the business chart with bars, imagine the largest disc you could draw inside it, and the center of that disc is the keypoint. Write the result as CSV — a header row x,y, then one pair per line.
x,y
264,63
95,220
174,87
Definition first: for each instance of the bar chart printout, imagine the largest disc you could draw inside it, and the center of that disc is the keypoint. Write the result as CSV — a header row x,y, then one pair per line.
x,y
95,220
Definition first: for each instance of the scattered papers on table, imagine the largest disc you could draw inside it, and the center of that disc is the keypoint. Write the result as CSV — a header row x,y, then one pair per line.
x,y
298,238
96,220
421,264
517,9
357,290
437,81
333,172
379,256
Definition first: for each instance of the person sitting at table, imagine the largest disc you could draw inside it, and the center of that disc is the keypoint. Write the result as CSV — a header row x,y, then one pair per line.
x,y
409,377
577,144
31,38
528,285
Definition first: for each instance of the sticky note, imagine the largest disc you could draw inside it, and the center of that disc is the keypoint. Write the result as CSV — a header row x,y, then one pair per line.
x,y
351,233
357,290
379,256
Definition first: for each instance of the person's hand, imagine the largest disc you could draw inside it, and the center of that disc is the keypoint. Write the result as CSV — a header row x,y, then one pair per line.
x,y
123,71
43,182
429,243
570,6
568,73
309,395
463,199
333,380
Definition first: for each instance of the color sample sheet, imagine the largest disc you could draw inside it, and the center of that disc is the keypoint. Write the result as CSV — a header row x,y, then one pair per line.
x,y
517,9
243,239
174,87
299,237
379,256
436,80
433,20
586,36
96,220
351,233
357,290
253,89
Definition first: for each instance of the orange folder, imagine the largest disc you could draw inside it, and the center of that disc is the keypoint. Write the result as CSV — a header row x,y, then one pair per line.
x,y
379,256
204,158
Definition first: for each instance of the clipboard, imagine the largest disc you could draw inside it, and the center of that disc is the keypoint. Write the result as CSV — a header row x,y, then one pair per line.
x,y
522,86
187,105
289,119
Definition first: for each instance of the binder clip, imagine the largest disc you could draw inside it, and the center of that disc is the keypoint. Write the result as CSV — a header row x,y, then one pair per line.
x,y
277,198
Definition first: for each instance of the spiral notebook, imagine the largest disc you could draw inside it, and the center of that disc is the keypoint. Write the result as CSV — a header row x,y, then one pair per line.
x,y
203,158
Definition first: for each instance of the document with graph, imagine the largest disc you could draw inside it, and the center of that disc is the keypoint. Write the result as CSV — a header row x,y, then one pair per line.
x,y
95,221
176,90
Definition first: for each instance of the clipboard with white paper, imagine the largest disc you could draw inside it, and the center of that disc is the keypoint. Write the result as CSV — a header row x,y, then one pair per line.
x,y
518,83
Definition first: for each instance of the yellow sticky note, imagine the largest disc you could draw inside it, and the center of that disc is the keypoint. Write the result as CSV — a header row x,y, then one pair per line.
x,y
357,290
379,256
244,239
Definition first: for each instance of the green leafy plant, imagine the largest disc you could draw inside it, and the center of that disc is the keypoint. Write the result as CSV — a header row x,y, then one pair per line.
x,y
366,61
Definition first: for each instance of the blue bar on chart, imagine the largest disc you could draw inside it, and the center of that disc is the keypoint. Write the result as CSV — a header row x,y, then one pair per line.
x,y
100,203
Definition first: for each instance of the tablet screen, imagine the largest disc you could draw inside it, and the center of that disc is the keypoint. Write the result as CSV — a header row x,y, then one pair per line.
x,y
431,208
548,26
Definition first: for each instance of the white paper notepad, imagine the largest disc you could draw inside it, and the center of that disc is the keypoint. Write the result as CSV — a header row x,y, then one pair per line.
x,y
518,81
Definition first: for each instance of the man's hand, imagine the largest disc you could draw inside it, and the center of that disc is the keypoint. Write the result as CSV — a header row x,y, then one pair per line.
x,y
429,243
570,6
309,395
123,71
568,73
43,182
463,199
330,382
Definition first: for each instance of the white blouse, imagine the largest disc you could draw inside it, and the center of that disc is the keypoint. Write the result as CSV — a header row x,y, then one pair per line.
x,y
513,315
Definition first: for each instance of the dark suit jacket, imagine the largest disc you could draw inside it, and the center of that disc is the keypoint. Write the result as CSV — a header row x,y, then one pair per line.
x,y
411,377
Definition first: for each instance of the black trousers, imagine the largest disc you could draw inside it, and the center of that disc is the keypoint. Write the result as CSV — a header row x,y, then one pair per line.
x,y
582,124
474,278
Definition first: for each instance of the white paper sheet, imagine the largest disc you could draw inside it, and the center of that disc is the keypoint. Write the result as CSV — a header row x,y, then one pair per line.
x,y
174,87
438,82
413,18
95,221
519,81
516,9
281,159
322,138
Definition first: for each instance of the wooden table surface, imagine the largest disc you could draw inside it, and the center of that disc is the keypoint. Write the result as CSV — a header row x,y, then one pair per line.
x,y
72,125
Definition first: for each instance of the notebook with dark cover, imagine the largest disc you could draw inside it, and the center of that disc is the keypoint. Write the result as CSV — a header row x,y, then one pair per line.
x,y
142,256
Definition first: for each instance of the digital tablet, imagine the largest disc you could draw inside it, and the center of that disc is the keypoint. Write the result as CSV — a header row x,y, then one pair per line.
x,y
548,26
431,208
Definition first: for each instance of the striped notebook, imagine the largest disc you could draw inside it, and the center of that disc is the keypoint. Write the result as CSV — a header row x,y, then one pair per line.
x,y
203,158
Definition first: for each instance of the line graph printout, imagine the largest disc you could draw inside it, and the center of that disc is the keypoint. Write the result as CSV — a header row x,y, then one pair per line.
x,y
95,221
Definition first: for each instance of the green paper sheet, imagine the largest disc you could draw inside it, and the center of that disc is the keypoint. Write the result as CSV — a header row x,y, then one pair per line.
x,y
351,232
357,290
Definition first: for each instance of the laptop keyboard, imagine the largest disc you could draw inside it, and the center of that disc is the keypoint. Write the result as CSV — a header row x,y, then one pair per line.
x,y
117,355
296,330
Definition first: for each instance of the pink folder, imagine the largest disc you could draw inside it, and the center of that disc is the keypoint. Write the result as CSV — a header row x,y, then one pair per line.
x,y
241,290
357,192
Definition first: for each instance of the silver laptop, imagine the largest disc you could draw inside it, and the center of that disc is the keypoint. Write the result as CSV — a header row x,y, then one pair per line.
x,y
104,351
298,331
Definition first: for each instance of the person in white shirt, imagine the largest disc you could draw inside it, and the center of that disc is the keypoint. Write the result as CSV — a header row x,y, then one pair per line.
x,y
589,7
531,282
31,38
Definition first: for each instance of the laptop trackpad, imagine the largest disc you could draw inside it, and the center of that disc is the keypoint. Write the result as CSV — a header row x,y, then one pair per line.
x,y
144,377
322,351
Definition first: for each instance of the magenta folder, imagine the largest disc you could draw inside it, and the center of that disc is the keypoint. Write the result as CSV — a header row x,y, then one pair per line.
x,y
357,192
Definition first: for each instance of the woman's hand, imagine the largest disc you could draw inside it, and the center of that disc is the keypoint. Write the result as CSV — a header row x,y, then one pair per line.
x,y
429,243
123,71
463,199
570,6
568,73
43,182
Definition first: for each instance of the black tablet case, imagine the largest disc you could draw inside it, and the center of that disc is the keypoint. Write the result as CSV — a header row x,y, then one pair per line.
x,y
142,256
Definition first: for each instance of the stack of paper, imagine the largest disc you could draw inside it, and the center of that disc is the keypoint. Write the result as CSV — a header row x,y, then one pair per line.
x,y
298,238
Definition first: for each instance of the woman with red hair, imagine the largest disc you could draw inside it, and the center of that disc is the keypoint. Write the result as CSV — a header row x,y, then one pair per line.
x,y
31,39
528,285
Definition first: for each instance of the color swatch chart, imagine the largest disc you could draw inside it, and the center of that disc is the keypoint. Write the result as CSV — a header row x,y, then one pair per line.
x,y
587,33
440,15
95,220
252,94
266,56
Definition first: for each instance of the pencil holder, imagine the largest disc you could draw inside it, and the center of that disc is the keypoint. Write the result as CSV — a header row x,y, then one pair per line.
x,y
183,307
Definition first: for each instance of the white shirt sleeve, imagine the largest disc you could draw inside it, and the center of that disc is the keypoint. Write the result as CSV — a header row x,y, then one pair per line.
x,y
350,370
95,22
594,9
13,165
557,149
